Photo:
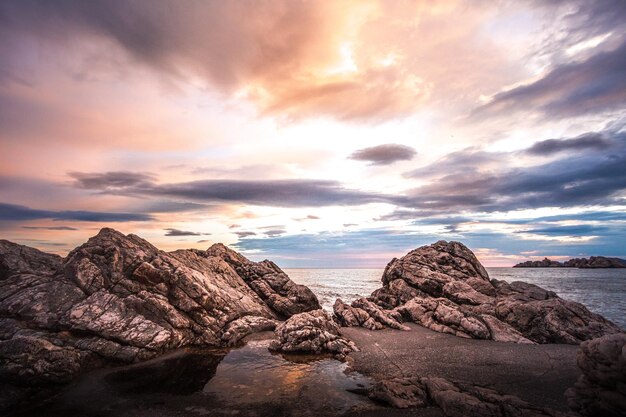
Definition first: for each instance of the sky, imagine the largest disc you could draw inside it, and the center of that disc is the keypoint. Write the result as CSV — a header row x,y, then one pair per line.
x,y
314,133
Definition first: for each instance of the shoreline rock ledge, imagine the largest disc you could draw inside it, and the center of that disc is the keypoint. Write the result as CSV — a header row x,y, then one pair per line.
x,y
118,299
444,287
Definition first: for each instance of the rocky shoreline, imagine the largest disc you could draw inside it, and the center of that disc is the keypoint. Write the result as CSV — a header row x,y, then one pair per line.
x,y
594,262
119,300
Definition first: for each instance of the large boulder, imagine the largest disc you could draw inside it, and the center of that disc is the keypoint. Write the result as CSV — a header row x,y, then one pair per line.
x,y
444,287
601,389
311,332
119,299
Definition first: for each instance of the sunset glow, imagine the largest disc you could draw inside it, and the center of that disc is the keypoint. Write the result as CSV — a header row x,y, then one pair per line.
x,y
317,134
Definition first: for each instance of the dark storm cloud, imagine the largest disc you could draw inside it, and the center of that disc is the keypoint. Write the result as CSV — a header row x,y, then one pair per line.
x,y
587,141
14,212
110,180
572,89
277,193
176,232
49,228
384,154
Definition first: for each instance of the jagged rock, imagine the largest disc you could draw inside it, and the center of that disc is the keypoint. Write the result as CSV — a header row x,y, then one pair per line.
x,y
455,400
311,332
366,314
240,328
445,288
585,263
118,299
601,390
271,284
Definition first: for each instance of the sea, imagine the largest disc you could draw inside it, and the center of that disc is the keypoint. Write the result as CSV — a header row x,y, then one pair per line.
x,y
602,291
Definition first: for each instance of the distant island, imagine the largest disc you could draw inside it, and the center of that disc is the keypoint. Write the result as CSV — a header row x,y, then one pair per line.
x,y
587,263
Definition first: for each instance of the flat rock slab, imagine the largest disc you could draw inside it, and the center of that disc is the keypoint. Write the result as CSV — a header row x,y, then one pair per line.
x,y
538,374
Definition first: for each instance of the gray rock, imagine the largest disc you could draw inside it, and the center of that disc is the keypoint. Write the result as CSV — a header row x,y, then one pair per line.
x,y
118,299
366,314
240,328
455,400
445,288
601,390
311,332
270,283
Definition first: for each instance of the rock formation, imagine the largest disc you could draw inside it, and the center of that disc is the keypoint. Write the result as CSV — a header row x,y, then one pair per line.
x,y
118,299
593,262
445,288
544,263
311,332
601,390
455,400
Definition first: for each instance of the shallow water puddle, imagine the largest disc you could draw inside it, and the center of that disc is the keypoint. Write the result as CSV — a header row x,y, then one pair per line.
x,y
244,381
252,375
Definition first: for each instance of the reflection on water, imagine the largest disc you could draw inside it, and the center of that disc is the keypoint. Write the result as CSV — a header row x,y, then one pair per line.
x,y
317,384
246,381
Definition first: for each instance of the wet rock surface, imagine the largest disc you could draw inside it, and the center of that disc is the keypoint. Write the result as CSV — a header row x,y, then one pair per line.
x,y
454,399
601,390
117,299
311,332
537,374
444,287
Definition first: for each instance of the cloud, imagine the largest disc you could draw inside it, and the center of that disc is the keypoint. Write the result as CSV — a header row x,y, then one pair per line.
x,y
274,232
577,230
384,154
469,160
573,180
571,89
110,180
276,193
291,59
245,234
593,141
14,212
49,228
176,232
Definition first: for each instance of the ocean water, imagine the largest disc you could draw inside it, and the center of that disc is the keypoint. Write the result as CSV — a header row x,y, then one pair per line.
x,y
603,291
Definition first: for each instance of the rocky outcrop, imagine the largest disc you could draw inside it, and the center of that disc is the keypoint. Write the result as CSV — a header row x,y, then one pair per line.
x,y
601,390
312,332
270,283
544,263
366,314
584,263
118,299
445,288
455,400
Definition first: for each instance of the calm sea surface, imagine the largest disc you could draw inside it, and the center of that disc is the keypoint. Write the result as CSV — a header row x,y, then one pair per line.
x,y
603,291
